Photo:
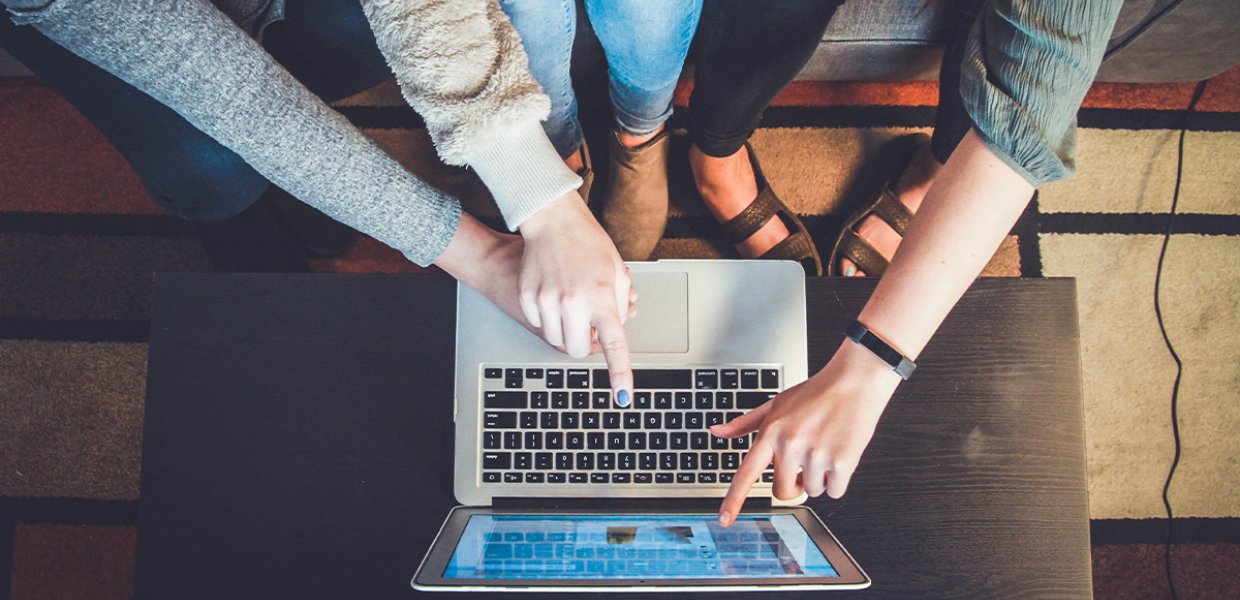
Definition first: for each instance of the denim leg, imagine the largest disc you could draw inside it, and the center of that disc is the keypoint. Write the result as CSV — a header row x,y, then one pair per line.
x,y
547,29
183,169
645,43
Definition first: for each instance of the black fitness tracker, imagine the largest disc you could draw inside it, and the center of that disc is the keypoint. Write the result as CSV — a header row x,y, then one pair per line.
x,y
866,338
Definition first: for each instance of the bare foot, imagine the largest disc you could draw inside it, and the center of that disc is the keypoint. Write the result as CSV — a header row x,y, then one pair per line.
x,y
911,189
728,186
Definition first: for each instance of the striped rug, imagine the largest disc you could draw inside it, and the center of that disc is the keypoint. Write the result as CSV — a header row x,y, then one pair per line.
x,y
79,240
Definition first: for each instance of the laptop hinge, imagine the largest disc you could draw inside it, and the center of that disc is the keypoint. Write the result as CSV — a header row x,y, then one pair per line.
x,y
710,505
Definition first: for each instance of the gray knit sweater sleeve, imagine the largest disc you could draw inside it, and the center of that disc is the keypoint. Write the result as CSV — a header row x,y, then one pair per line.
x,y
189,56
1027,66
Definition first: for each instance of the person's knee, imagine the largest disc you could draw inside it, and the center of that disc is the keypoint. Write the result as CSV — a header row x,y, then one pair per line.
x,y
208,183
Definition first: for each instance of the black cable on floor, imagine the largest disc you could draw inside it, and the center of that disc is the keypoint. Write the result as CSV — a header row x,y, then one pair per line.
x,y
1179,366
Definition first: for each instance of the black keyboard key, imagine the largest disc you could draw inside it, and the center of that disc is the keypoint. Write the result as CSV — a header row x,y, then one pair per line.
x,y
648,461
725,400
706,477
611,420
555,378
554,440
632,420
497,460
559,400
637,440
533,373
579,379
602,379
704,400
714,418
626,461
512,378
718,443
539,399
555,478
499,420
710,461
534,477
667,461
680,440
490,477
512,440
606,461
752,399
729,379
581,400
563,461
663,478
684,478
706,379
770,379
533,440
549,420
740,443
589,420
694,420
602,400
585,461
522,460
684,400
543,461
768,477
511,477
616,440
599,478
726,477
673,420
529,420
570,420
699,440
731,461
662,400
658,440
594,440
620,477
642,478
490,440
689,461
732,416
662,379
578,478
574,440
749,379
493,373
652,420
643,400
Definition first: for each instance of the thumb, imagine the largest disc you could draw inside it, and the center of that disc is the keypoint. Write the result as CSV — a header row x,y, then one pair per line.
x,y
746,423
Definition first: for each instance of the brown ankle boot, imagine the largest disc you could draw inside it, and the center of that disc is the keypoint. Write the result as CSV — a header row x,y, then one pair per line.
x,y
635,203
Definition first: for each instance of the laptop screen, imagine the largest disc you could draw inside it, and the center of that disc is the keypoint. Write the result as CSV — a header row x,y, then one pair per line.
x,y
635,547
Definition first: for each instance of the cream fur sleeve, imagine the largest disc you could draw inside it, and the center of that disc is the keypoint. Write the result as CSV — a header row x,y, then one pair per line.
x,y
460,64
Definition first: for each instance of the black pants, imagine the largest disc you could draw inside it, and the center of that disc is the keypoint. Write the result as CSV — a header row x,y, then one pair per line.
x,y
747,52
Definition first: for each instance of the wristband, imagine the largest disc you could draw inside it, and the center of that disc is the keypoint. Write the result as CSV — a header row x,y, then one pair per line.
x,y
866,338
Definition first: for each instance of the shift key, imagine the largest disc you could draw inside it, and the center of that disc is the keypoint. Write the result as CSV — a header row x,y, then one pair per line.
x,y
499,420
747,400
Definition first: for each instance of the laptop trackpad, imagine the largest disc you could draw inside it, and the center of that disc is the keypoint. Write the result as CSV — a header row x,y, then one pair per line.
x,y
662,321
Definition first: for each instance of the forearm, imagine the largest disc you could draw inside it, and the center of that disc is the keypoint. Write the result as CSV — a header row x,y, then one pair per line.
x,y
187,55
972,205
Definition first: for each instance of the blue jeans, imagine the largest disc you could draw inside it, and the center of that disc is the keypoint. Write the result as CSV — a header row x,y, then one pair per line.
x,y
645,44
185,170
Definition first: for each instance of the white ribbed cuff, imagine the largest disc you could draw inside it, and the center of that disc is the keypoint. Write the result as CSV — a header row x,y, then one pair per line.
x,y
522,170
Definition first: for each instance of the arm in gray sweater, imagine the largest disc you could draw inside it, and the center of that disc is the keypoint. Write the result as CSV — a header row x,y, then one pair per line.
x,y
189,56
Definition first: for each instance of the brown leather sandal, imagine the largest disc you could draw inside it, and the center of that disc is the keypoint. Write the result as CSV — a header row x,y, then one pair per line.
x,y
882,203
797,246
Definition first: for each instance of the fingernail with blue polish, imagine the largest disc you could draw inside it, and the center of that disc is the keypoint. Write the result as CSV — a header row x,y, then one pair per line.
x,y
849,271
622,398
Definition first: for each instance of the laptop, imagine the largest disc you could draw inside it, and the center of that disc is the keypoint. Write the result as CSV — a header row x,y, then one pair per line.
x,y
563,490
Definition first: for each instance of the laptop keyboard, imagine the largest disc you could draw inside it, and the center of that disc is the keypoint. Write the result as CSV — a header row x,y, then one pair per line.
x,y
560,425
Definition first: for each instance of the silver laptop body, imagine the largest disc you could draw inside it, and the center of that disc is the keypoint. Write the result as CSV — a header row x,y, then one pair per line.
x,y
742,320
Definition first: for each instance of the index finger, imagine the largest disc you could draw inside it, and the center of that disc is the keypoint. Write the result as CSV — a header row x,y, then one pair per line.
x,y
751,468
615,343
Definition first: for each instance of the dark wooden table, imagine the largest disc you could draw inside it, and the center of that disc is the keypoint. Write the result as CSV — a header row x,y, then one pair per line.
x,y
298,441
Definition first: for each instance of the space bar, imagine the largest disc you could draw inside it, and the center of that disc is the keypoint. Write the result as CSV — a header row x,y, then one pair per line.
x,y
662,379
